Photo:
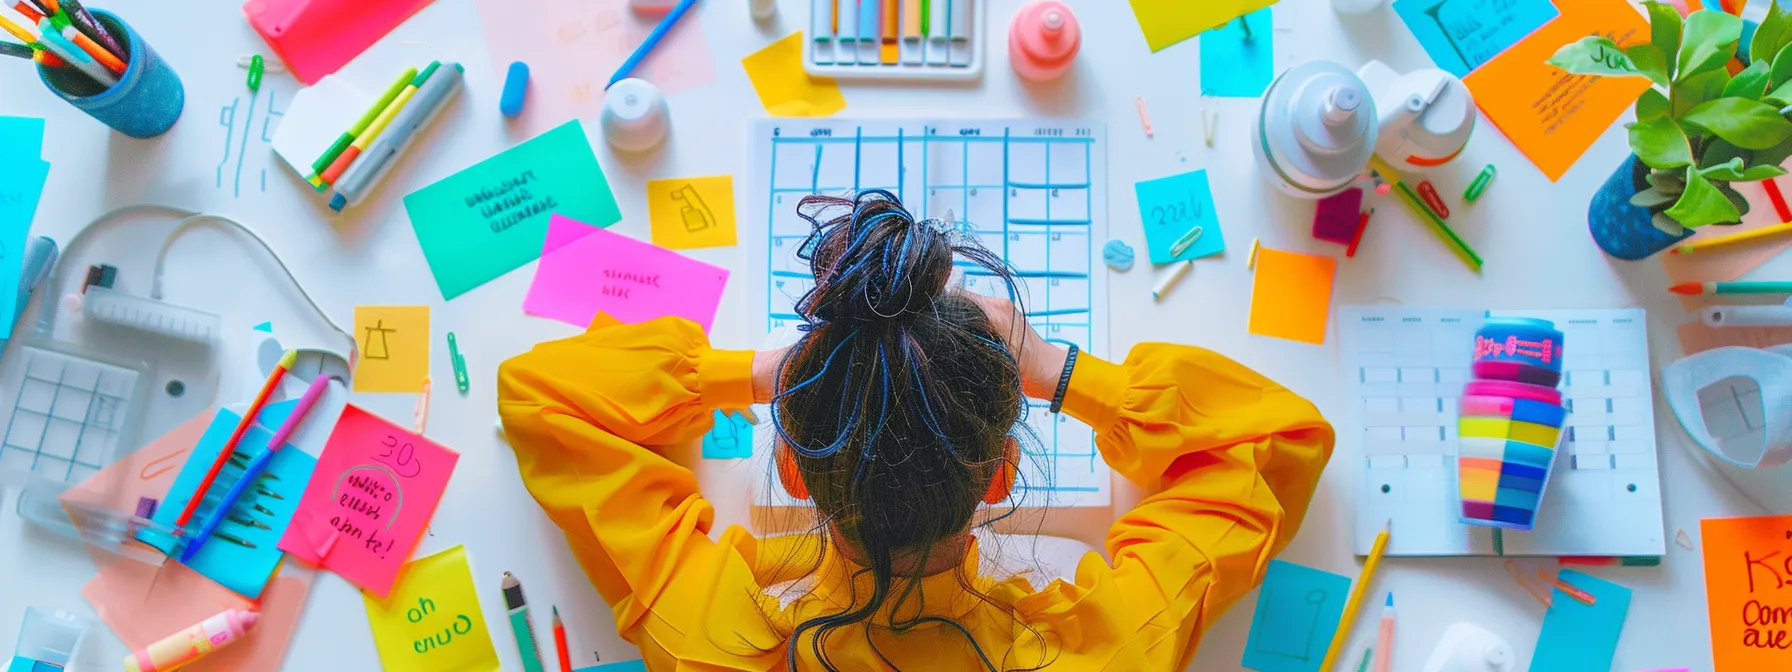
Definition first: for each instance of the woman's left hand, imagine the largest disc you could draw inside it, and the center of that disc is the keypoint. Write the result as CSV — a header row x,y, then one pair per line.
x,y
765,373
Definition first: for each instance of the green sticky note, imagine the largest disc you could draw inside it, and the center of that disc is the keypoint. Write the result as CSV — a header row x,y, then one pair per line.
x,y
1172,207
489,219
1577,636
1298,609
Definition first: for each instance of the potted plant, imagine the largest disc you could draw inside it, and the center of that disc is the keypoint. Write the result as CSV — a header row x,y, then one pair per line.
x,y
1699,129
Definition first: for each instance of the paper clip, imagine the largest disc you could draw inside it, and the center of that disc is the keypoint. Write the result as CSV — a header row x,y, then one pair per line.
x,y
460,364
1680,539
1479,185
247,60
1538,591
1144,115
1182,244
421,414
1432,200
255,69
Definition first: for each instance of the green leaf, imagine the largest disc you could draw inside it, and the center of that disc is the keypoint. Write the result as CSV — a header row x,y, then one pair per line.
x,y
1650,62
1651,105
1719,151
1781,72
1701,204
1771,36
1772,156
1736,199
1748,124
1733,171
1664,30
1692,91
1653,198
1781,95
1669,182
1749,84
1595,55
1708,42
1660,143
1667,224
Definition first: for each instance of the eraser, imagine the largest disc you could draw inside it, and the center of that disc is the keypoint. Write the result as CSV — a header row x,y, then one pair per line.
x,y
516,85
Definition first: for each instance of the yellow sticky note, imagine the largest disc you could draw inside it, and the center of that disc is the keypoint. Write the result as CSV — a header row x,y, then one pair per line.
x,y
692,212
1553,116
1167,22
1292,295
785,88
431,622
394,348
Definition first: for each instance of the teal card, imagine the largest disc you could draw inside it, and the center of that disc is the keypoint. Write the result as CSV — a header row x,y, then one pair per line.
x,y
732,437
1461,35
1236,63
492,218
21,185
1577,636
1298,609
1173,206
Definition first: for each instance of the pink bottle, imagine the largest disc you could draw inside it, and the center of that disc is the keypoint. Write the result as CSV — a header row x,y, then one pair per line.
x,y
1043,40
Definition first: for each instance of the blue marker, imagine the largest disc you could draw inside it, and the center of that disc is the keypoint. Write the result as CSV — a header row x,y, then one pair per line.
x,y
516,85
870,27
653,40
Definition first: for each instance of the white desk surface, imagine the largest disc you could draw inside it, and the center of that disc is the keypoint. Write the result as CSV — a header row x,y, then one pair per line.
x,y
1532,232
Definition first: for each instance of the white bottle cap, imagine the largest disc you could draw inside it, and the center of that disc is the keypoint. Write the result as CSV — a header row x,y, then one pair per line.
x,y
634,117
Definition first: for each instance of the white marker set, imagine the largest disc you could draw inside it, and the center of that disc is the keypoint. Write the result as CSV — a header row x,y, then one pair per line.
x,y
896,39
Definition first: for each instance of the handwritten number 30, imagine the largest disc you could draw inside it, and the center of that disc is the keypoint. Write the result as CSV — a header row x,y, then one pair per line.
x,y
401,457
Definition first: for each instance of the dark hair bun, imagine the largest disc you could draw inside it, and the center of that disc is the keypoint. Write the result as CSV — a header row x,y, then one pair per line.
x,y
874,265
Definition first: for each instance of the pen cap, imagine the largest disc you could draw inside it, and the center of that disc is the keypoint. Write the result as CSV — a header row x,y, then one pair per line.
x,y
635,117
1043,40
145,102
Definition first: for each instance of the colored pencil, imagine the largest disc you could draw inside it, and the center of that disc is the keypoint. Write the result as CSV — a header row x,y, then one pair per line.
x,y
1708,288
653,40
560,642
30,13
892,25
519,623
1356,596
93,49
49,40
84,21
242,427
1417,205
1384,638
252,473
348,137
378,126
1745,237
15,50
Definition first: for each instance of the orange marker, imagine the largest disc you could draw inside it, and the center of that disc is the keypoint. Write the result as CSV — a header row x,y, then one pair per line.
x,y
93,49
892,53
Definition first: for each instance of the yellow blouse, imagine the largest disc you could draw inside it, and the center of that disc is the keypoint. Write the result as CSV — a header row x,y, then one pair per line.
x,y
1233,458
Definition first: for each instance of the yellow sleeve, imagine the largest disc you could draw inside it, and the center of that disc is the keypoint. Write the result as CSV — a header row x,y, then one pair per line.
x,y
1237,457
581,414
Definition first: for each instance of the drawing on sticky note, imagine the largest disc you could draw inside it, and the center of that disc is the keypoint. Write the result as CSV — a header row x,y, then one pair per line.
x,y
1300,648
1460,35
1297,610
692,210
394,353
381,350
432,620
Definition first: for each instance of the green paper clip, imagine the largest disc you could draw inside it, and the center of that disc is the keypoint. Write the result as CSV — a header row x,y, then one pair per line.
x,y
460,364
256,67
1480,184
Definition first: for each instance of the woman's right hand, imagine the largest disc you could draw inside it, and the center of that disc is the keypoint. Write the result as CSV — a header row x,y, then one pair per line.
x,y
1041,362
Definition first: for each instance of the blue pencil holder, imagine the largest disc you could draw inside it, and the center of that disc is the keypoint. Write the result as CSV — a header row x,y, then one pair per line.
x,y
145,102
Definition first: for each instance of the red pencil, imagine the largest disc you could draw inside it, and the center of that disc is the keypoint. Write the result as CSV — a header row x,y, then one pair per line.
x,y
560,642
242,427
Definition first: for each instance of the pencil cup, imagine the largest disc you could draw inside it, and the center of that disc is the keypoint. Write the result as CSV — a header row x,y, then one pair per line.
x,y
1509,427
145,102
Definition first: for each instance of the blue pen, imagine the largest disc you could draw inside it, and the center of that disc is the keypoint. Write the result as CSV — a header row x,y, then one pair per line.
x,y
653,40
870,27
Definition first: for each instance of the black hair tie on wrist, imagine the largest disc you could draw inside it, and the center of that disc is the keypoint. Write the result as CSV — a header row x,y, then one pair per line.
x,y
1064,379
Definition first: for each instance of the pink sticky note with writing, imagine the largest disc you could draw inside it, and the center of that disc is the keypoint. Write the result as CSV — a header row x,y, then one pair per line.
x,y
317,37
586,270
376,486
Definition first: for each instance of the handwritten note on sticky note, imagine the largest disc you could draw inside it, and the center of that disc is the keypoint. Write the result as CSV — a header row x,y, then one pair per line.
x,y
1292,295
377,485
1550,115
731,437
1298,608
785,89
432,620
603,272
1173,206
1577,637
692,212
394,344
1236,63
1167,22
1748,589
1460,35
489,219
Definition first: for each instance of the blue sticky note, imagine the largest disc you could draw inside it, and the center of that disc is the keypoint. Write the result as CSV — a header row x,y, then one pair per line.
x,y
21,138
21,184
732,437
1461,35
1234,64
1578,637
1171,207
624,666
1298,609
233,565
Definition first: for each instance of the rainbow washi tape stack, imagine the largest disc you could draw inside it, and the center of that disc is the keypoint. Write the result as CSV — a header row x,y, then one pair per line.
x,y
1511,421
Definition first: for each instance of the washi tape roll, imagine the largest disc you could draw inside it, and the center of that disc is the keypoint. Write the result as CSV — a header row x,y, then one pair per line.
x,y
1525,410
1502,388
1519,349
1510,430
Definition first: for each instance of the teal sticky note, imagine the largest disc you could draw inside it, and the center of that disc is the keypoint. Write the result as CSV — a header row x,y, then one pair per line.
x,y
732,437
239,567
624,666
1577,637
492,218
1298,609
1171,207
1236,64
21,137
21,186
1461,35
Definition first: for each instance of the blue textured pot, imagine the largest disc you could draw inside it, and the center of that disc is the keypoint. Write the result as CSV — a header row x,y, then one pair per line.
x,y
1621,229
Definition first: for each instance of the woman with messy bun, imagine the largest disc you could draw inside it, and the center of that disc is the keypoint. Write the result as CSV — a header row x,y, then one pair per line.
x,y
898,413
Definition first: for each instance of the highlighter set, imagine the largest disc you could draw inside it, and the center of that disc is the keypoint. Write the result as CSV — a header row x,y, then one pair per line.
x,y
896,39
1511,422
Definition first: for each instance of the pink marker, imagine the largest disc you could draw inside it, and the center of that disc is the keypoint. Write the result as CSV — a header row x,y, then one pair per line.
x,y
1043,40
192,643
1384,641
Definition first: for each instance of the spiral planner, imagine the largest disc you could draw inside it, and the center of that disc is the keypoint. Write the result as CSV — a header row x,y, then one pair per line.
x,y
1403,373
1032,191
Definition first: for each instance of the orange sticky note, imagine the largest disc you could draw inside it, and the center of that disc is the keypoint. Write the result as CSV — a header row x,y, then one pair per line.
x,y
1748,588
1550,115
1292,295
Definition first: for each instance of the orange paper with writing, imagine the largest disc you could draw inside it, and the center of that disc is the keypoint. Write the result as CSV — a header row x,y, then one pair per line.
x,y
1748,588
1550,115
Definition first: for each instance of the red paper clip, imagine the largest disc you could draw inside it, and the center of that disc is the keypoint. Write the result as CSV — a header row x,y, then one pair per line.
x,y
1429,193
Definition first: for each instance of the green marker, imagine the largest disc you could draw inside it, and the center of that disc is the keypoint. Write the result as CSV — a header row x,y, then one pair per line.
x,y
519,623
460,364
348,137
926,19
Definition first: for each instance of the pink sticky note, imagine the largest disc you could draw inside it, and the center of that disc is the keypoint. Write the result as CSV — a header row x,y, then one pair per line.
x,y
586,270
317,37
377,484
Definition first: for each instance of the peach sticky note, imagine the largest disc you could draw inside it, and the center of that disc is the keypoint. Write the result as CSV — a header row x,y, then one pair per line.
x,y
394,353
432,622
1550,115
785,88
1292,295
690,212
1748,578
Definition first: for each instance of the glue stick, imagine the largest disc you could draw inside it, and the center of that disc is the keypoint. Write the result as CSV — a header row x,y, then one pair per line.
x,y
192,643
